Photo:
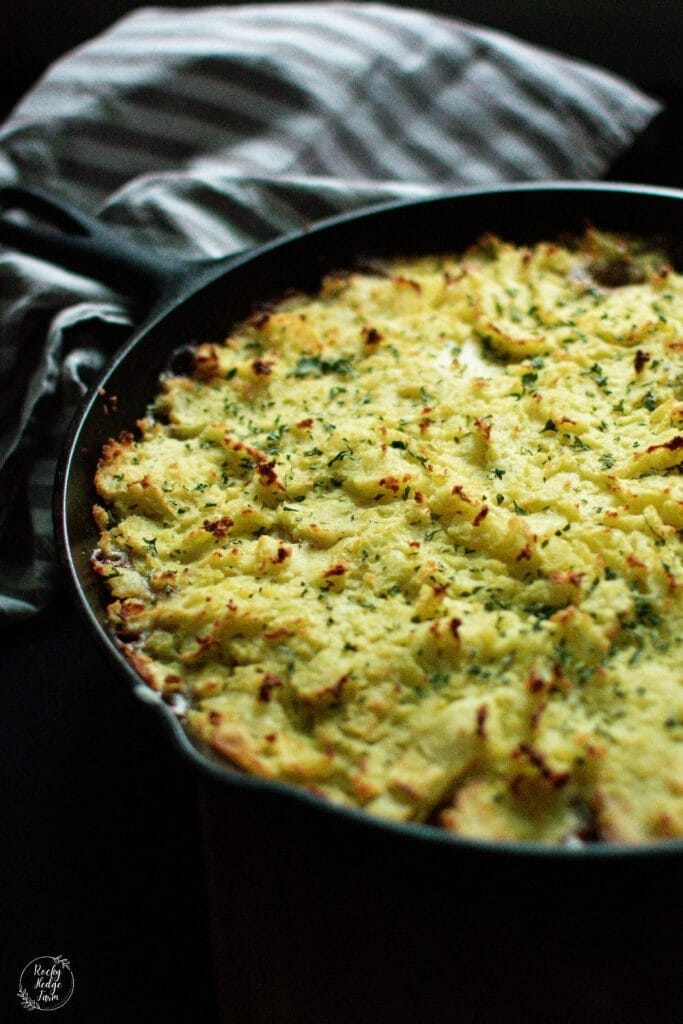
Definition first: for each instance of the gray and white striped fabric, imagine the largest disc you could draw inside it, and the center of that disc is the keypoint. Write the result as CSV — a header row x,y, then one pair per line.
x,y
205,130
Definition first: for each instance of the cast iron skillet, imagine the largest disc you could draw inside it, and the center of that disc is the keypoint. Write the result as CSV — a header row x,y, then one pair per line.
x,y
190,302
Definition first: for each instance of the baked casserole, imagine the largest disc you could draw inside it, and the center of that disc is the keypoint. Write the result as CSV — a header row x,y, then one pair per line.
x,y
414,542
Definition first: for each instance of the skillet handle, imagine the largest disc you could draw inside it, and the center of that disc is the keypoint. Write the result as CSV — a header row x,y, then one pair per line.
x,y
63,235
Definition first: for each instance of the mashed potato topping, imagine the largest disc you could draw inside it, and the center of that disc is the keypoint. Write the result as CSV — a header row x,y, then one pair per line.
x,y
415,542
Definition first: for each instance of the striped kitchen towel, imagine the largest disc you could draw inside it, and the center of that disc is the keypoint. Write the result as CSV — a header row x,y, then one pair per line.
x,y
202,131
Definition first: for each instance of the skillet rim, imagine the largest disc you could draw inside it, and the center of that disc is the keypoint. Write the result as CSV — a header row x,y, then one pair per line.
x,y
201,761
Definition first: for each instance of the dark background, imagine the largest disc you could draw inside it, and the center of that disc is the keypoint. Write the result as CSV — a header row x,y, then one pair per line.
x,y
102,861
101,854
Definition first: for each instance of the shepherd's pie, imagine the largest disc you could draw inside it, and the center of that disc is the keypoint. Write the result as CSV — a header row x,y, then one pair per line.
x,y
414,542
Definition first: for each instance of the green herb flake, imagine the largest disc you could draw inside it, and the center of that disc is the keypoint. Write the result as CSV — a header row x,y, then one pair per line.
x,y
344,453
650,401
